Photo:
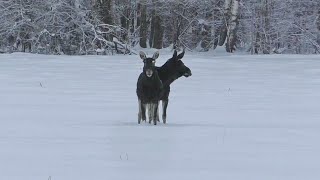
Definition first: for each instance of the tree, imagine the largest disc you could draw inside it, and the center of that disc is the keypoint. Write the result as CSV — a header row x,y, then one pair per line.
x,y
143,24
233,26
228,32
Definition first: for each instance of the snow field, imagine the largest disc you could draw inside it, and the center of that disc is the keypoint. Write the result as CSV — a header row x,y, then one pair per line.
x,y
237,117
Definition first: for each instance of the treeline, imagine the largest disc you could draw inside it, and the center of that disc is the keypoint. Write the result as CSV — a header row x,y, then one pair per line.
x,y
79,27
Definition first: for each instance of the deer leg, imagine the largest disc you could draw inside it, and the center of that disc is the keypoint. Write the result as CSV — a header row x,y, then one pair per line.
x,y
149,107
155,110
158,119
150,111
143,112
139,113
164,110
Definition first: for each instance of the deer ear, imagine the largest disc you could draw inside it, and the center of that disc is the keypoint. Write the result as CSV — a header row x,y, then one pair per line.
x,y
143,55
180,56
175,54
155,55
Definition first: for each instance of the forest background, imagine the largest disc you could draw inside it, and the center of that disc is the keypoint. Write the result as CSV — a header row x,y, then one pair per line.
x,y
85,27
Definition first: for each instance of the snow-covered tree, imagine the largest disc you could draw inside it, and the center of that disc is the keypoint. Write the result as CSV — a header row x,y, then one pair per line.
x,y
115,26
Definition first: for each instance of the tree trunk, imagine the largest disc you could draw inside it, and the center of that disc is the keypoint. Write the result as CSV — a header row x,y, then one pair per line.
x,y
143,26
206,43
225,26
265,41
257,41
152,29
105,11
318,21
158,33
232,35
318,27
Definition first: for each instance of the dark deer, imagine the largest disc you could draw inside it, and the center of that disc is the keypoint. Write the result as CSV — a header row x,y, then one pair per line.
x,y
173,69
149,87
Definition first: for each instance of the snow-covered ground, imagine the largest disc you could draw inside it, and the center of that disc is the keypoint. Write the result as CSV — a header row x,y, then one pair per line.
x,y
237,118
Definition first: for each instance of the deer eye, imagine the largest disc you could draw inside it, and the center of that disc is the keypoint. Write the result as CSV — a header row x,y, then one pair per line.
x,y
153,61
